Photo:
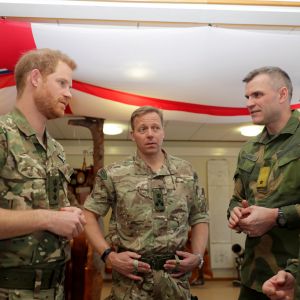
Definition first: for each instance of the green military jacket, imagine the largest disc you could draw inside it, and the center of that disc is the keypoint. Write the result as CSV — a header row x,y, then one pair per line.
x,y
278,186
294,268
132,189
31,177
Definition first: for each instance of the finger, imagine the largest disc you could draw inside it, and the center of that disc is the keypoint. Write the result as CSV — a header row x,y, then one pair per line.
x,y
134,277
135,264
133,255
245,203
178,274
182,253
144,267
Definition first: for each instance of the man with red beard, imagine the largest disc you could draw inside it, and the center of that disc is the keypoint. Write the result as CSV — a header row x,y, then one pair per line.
x,y
36,221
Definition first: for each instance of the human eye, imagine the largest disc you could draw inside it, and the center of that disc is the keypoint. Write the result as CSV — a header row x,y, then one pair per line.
x,y
142,129
257,94
63,83
155,128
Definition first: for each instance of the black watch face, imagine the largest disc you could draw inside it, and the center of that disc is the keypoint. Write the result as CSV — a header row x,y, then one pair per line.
x,y
281,219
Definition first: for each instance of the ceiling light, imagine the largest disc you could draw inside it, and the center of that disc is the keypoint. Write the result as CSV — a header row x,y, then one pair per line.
x,y
251,130
112,129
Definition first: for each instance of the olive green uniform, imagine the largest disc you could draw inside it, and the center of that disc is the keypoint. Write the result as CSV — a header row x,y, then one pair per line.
x,y
32,176
151,215
268,175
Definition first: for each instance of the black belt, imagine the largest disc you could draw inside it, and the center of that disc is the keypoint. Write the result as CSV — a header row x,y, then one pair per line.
x,y
26,278
156,261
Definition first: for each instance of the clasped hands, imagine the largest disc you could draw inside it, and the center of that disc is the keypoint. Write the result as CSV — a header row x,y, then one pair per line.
x,y
252,220
129,264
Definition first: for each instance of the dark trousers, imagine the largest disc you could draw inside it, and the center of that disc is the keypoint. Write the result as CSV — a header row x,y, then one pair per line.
x,y
250,294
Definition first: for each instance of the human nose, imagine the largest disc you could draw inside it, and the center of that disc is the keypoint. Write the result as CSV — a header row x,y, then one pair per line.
x,y
149,132
250,102
67,93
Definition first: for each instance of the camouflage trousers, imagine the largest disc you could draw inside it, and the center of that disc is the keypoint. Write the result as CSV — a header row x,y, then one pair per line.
x,y
155,285
51,294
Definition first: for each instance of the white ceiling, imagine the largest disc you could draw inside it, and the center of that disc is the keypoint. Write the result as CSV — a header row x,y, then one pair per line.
x,y
195,54
175,131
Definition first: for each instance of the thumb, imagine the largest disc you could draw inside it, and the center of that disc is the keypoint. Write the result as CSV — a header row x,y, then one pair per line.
x,y
245,203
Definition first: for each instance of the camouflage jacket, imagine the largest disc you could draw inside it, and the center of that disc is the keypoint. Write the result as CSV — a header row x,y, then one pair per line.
x,y
267,175
31,177
293,267
151,212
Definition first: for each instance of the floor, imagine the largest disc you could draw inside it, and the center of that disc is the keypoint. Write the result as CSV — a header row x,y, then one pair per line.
x,y
211,290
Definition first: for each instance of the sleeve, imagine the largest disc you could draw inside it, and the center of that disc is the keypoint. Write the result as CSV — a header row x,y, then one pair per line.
x,y
292,214
199,208
292,266
238,192
3,148
102,195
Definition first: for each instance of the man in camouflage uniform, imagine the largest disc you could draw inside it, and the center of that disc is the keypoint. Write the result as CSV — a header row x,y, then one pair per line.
x,y
155,198
265,201
36,220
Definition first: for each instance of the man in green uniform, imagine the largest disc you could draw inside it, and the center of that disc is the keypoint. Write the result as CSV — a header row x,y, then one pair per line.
x,y
36,221
265,201
155,199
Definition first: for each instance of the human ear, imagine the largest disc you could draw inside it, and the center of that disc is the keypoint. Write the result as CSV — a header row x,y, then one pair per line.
x,y
35,77
283,94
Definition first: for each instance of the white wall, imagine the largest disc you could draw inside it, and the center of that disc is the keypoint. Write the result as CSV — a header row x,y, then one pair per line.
x,y
200,154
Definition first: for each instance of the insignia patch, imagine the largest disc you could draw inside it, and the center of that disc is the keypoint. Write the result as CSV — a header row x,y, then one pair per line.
x,y
103,174
262,180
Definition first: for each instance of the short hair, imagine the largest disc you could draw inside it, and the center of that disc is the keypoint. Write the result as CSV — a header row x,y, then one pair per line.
x,y
278,76
45,60
144,110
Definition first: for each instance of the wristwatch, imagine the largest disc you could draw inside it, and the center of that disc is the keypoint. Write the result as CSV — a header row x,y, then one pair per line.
x,y
105,253
201,260
281,219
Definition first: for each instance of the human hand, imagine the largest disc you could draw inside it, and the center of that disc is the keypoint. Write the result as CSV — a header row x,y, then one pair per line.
x,y
280,286
236,215
128,264
67,222
258,220
188,262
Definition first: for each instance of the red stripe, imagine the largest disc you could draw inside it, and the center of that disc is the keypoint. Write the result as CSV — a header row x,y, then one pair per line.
x,y
132,99
7,80
16,39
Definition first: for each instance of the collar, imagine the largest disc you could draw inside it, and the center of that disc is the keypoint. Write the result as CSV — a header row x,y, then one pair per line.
x,y
25,127
290,128
22,123
141,168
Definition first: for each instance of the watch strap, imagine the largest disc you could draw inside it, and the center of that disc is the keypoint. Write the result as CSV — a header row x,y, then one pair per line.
x,y
106,253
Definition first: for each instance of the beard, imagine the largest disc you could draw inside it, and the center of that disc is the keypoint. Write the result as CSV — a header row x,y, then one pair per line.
x,y
48,105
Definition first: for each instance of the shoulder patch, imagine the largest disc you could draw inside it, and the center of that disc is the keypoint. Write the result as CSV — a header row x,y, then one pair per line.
x,y
103,174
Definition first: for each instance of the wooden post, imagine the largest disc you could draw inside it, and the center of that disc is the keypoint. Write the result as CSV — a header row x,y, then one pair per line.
x,y
87,273
95,125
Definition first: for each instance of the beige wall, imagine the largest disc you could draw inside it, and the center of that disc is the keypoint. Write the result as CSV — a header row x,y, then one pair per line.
x,y
198,153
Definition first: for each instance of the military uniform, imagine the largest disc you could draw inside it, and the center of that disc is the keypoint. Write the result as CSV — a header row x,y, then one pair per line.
x,y
31,177
293,267
151,215
268,175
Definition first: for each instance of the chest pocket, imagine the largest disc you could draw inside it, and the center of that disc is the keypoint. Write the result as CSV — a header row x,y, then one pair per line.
x,y
23,162
248,162
285,157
